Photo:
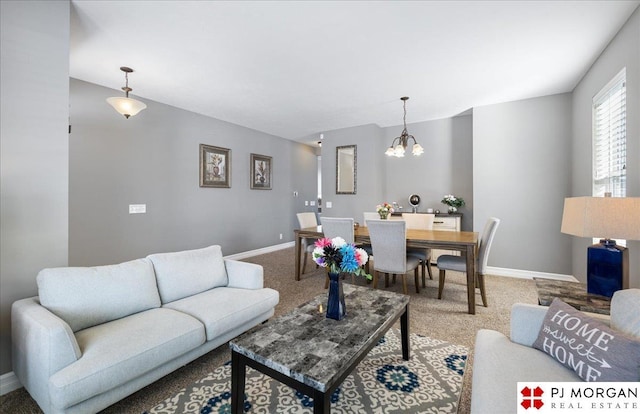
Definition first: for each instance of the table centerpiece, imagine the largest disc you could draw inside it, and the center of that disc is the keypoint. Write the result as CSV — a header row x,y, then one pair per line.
x,y
338,256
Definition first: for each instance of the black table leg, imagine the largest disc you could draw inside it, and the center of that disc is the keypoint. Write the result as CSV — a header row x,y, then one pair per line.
x,y
321,402
404,333
238,372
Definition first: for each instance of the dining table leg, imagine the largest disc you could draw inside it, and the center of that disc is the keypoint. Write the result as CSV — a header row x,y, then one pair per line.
x,y
298,252
471,279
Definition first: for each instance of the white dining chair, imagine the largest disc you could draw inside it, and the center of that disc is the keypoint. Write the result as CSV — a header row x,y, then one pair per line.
x,y
307,219
459,263
420,222
370,215
337,227
389,242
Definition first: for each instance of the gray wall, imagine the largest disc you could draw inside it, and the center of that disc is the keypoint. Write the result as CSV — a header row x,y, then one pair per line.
x,y
370,186
446,167
623,51
34,150
521,174
152,159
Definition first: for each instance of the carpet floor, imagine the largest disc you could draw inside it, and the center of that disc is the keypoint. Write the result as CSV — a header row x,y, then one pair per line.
x,y
445,319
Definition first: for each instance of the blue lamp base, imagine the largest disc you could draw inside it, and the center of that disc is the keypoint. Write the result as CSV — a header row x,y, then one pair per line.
x,y
607,268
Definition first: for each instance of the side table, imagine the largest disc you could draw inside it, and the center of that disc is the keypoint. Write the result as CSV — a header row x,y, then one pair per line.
x,y
572,293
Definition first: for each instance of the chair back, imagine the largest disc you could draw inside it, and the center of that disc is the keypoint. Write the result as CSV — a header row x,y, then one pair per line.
x,y
338,227
485,243
307,219
419,221
370,215
389,243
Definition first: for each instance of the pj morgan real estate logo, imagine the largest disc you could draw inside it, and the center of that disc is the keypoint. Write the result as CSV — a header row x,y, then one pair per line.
x,y
578,397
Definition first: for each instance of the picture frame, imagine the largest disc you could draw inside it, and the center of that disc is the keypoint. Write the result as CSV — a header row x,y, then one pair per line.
x,y
261,175
215,166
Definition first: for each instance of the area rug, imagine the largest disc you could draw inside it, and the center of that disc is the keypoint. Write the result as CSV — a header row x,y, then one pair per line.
x,y
430,382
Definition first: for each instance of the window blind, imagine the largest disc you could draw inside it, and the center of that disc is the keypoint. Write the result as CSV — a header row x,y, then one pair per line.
x,y
610,138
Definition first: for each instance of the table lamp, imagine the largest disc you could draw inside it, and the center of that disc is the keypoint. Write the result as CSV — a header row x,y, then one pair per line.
x,y
607,218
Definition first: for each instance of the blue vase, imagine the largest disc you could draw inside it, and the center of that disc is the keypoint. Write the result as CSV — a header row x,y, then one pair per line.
x,y
335,303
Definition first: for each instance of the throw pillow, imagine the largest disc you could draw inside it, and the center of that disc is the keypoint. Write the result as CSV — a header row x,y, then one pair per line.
x,y
587,346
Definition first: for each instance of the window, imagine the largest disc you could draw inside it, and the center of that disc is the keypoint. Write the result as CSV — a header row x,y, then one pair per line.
x,y
610,139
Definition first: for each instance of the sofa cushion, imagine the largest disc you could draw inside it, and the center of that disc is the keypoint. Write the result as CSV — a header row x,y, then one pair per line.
x,y
224,309
587,346
119,351
186,273
89,296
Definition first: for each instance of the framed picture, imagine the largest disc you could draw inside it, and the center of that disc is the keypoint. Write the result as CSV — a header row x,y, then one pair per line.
x,y
261,169
215,166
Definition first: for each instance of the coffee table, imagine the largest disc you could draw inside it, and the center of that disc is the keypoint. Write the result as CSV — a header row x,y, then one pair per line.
x,y
312,354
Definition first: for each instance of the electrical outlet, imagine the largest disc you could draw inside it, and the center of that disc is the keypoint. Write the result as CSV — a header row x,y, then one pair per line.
x,y
280,236
137,208
329,204
313,203
306,203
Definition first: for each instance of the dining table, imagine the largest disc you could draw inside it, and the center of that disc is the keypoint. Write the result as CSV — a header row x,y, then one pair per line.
x,y
466,242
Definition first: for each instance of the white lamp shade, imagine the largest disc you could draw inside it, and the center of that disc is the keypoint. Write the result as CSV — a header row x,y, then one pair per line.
x,y
126,106
417,149
604,217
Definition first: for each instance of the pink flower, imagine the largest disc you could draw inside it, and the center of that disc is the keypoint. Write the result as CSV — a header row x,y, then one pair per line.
x,y
361,256
322,243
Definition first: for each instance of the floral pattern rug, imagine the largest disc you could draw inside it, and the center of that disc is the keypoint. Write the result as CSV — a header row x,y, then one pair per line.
x,y
430,382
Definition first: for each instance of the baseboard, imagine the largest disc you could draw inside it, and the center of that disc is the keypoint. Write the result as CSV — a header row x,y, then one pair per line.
x,y
257,252
9,382
527,274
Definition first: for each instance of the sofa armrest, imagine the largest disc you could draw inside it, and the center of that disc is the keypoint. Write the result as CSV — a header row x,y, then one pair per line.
x,y
244,275
42,344
526,321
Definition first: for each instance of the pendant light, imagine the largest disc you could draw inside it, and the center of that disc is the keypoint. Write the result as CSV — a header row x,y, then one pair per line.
x,y
126,106
399,144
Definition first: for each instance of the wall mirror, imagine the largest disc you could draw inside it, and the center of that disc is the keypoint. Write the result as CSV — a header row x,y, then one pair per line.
x,y
346,169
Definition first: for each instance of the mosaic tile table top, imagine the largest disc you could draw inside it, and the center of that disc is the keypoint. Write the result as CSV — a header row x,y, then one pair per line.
x,y
312,349
572,293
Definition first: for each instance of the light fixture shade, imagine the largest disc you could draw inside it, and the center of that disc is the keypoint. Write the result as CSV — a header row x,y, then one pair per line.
x,y
604,217
398,151
417,149
390,152
126,106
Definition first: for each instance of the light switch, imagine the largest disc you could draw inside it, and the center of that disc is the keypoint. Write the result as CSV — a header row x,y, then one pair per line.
x,y
137,208
313,203
329,204
306,203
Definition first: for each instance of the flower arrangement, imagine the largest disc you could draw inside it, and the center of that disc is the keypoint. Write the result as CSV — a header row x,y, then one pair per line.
x,y
452,201
384,210
340,256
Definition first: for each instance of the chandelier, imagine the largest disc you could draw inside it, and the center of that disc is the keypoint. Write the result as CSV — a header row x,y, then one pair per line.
x,y
126,106
399,144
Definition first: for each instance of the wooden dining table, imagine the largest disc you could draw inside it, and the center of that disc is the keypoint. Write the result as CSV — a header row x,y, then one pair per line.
x,y
466,242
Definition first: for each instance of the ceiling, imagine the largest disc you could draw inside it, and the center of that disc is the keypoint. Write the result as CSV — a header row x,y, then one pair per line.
x,y
296,69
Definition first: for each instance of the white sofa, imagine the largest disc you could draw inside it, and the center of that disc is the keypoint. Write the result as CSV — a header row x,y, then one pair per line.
x,y
501,362
95,335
